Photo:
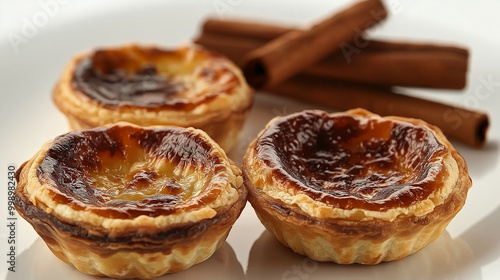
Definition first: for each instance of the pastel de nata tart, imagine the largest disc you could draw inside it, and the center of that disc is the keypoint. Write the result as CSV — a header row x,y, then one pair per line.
x,y
354,187
147,85
126,201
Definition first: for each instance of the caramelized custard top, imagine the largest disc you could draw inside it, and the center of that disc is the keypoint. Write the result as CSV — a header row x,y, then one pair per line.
x,y
353,162
151,77
125,171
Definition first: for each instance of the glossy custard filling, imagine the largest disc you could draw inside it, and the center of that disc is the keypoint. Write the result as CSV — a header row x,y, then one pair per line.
x,y
135,182
354,162
129,170
152,77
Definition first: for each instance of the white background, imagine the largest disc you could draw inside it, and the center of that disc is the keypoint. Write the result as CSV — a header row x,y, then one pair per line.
x,y
468,249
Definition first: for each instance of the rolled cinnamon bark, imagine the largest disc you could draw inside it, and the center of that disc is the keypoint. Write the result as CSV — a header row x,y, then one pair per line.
x,y
378,62
467,126
244,29
264,32
295,50
410,68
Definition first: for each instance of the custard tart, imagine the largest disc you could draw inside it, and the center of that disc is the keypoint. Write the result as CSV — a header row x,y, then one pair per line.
x,y
146,85
125,201
354,187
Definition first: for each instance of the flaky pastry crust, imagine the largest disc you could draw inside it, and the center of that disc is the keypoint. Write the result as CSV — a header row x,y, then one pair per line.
x,y
130,202
146,85
357,219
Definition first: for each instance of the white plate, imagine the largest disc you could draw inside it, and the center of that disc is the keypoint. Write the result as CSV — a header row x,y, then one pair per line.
x,y
38,37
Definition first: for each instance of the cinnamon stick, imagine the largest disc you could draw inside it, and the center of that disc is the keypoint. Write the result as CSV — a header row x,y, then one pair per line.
x,y
244,29
295,50
378,62
467,126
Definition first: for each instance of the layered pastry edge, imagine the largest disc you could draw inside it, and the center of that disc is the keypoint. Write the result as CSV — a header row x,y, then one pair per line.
x,y
100,115
264,182
221,115
41,196
142,246
325,233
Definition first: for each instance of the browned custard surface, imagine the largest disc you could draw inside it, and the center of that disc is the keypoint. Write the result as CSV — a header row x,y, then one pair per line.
x,y
354,162
152,77
126,172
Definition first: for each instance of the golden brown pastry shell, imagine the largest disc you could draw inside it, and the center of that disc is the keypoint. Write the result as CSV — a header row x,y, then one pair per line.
x,y
140,246
347,239
221,115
